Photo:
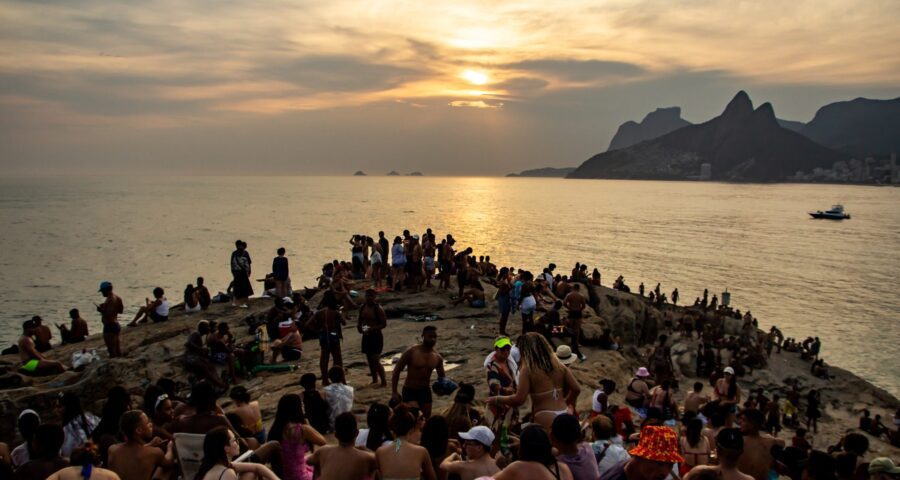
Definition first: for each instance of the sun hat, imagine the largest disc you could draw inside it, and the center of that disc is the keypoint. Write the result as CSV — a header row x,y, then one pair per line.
x,y
564,354
658,444
642,372
104,285
480,434
728,370
502,342
881,465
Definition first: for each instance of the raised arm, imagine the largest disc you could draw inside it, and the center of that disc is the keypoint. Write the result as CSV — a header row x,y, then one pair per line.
x,y
312,435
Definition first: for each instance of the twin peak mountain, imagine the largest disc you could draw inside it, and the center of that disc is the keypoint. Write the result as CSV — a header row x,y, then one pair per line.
x,y
741,144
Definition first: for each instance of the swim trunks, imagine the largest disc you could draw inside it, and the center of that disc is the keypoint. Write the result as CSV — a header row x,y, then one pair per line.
x,y
373,343
575,314
31,365
429,264
503,304
112,328
418,395
290,354
328,342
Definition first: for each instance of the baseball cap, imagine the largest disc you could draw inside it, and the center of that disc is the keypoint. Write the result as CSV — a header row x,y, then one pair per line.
x,y
104,285
877,465
502,342
730,438
728,370
480,434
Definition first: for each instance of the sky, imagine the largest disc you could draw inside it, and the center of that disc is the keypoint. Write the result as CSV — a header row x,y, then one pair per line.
x,y
328,87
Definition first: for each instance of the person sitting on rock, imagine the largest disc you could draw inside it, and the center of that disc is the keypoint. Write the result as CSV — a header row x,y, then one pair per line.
x,y
42,335
33,362
46,444
290,346
78,331
196,356
157,310
473,296
137,456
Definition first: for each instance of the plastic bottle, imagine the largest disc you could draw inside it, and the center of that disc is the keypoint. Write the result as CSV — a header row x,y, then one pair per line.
x,y
504,439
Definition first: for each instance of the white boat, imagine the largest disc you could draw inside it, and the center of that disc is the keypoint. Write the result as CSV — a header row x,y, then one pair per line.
x,y
836,213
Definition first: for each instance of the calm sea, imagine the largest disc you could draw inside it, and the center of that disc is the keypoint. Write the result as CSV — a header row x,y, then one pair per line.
x,y
838,280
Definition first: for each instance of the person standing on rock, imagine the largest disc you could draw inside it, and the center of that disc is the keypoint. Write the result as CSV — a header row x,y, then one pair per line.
x,y
371,321
575,304
240,271
281,272
328,321
421,360
675,297
109,315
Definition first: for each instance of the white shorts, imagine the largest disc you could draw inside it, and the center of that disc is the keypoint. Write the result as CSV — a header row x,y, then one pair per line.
x,y
529,305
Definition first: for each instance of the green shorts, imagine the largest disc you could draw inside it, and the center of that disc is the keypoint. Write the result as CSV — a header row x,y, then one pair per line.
x,y
31,365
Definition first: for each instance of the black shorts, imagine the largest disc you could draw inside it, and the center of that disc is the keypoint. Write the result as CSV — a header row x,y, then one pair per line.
x,y
242,287
111,328
373,343
157,317
461,278
291,353
421,396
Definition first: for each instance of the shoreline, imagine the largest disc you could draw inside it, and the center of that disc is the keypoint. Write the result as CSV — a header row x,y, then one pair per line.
x,y
465,337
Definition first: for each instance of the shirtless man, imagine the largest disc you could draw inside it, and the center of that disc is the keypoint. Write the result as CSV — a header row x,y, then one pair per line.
x,y
77,332
757,458
344,460
371,321
109,315
421,359
695,400
328,321
730,446
575,303
447,254
138,457
34,363
479,463
290,346
42,335
196,355
428,249
415,264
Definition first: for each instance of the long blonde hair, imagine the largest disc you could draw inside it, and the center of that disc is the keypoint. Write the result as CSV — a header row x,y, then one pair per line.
x,y
537,353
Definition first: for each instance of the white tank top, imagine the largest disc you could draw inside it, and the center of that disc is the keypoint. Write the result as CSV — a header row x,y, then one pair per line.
x,y
163,309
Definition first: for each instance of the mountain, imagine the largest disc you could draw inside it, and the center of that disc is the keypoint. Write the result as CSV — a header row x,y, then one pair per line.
x,y
861,127
546,172
741,144
655,124
660,122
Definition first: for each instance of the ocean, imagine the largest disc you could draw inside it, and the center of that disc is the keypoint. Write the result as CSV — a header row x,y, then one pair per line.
x,y
836,280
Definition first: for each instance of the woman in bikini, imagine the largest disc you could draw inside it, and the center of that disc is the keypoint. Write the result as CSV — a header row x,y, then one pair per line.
x,y
401,459
296,436
536,460
695,446
551,385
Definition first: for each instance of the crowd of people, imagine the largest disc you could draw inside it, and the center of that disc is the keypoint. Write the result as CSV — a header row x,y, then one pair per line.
x,y
656,433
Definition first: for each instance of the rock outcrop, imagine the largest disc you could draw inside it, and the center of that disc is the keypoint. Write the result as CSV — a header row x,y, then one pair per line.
x,y
741,144
546,172
655,124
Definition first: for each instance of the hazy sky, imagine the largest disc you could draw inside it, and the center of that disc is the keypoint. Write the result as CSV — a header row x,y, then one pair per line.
x,y
462,87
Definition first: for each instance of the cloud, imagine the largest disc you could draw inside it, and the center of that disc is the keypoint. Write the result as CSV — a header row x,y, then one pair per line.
x,y
578,70
339,73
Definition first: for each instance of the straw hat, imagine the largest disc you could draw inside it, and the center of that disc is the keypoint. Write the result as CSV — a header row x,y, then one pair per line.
x,y
564,354
659,444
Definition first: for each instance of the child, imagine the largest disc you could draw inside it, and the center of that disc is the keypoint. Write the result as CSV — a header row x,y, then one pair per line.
x,y
799,440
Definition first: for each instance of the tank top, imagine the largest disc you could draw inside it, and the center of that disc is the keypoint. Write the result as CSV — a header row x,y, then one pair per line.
x,y
294,456
163,309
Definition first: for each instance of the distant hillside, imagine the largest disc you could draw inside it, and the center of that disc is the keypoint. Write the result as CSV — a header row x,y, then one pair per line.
x,y
860,127
655,124
742,144
546,172
791,125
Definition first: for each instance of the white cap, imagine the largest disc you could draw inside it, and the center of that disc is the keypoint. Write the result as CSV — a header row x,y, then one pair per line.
x,y
728,370
480,434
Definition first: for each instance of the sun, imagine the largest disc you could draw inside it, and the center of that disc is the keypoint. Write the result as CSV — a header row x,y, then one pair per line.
x,y
475,78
